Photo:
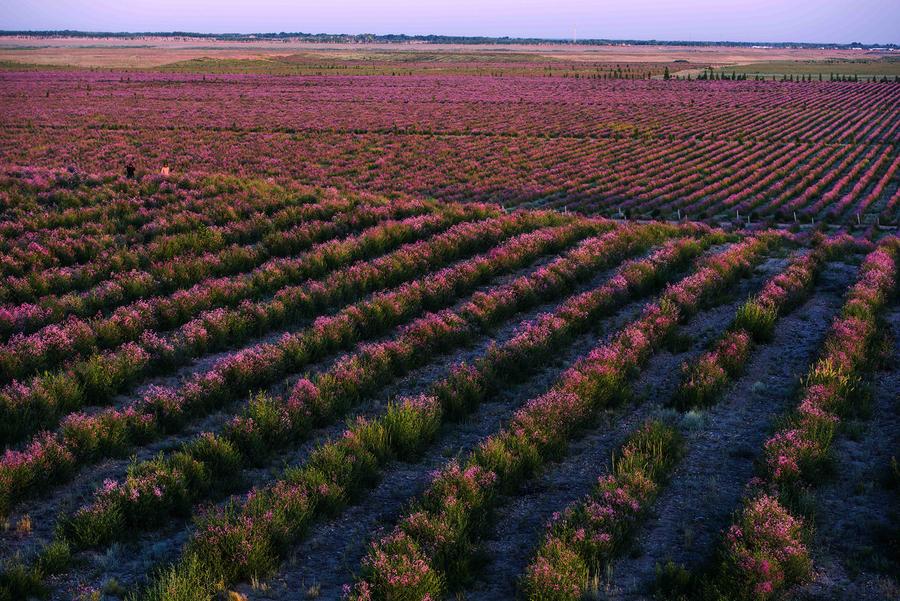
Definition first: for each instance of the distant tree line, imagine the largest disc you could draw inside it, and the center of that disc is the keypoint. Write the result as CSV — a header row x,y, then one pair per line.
x,y
427,39
709,74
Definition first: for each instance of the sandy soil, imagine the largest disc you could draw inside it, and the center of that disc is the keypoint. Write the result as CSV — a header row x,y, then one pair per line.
x,y
723,442
856,512
141,52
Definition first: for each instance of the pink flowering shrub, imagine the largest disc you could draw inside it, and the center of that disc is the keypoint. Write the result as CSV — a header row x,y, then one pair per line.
x,y
237,373
764,551
452,512
798,451
583,538
704,380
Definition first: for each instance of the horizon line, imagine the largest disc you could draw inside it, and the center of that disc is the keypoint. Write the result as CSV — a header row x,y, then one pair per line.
x,y
431,38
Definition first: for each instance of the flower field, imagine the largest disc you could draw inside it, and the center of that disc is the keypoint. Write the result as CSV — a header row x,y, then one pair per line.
x,y
483,336
773,152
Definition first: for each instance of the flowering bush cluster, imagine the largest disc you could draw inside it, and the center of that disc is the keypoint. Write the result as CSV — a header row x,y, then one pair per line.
x,y
446,521
269,424
796,452
640,146
113,430
317,223
764,551
754,322
412,423
587,534
581,539
214,328
703,380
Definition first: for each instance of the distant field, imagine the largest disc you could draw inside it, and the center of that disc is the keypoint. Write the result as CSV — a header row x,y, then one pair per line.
x,y
704,150
863,68
152,52
419,63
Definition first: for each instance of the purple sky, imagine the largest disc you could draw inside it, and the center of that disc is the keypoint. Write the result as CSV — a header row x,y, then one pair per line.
x,y
867,21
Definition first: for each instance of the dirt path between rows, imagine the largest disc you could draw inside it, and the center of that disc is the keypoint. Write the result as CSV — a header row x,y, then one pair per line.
x,y
520,523
856,511
723,442
331,554
130,563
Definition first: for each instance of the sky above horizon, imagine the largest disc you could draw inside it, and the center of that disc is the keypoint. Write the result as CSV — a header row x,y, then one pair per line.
x,y
841,21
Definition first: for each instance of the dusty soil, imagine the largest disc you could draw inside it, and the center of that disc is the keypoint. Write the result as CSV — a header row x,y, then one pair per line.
x,y
521,523
129,563
854,545
332,552
723,442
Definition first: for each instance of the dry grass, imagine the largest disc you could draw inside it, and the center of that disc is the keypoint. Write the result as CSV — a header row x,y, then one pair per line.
x,y
152,52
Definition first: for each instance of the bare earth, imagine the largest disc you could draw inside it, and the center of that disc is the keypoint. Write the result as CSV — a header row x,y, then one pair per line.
x,y
148,52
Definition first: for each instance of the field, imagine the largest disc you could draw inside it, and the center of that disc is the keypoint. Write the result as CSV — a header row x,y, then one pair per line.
x,y
889,68
446,324
771,152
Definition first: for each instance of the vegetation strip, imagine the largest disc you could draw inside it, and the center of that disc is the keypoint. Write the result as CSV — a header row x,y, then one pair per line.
x,y
588,534
582,539
170,222
432,547
142,350
705,379
334,219
160,486
764,551
51,458
457,395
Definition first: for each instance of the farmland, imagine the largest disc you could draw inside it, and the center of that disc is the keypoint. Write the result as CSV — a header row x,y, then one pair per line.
x,y
595,138
372,324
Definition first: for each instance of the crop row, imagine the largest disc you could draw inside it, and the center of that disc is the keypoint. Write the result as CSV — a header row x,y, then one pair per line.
x,y
160,220
587,150
185,270
156,488
415,423
454,105
764,551
434,543
23,355
98,377
584,538
754,323
504,363
84,438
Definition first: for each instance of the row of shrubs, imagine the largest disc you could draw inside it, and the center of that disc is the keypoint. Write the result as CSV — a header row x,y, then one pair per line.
x,y
269,519
754,323
52,458
316,223
78,254
271,423
434,546
766,549
49,347
167,486
582,540
102,374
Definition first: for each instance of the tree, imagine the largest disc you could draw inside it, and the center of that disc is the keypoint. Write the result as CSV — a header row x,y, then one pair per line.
x,y
666,74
